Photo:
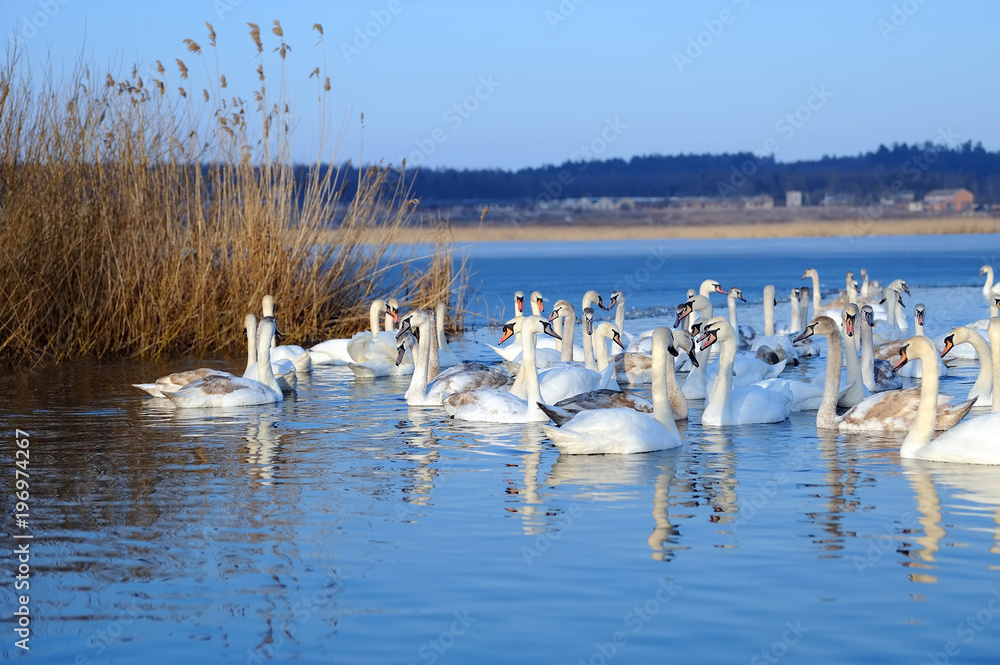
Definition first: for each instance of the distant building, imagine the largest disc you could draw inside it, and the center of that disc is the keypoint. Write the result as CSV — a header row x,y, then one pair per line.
x,y
948,200
915,206
838,200
793,199
762,202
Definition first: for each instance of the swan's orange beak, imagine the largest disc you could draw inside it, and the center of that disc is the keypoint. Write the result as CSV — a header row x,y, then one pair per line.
x,y
949,344
902,359
616,338
541,307
708,338
520,305
719,289
849,326
508,332
683,311
554,315
920,317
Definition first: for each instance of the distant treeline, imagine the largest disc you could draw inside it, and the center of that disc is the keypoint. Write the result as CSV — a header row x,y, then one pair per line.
x,y
866,177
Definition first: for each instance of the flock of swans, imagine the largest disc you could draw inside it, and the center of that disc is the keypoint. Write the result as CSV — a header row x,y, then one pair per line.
x,y
543,376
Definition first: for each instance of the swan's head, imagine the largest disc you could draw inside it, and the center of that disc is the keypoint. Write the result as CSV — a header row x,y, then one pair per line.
x,y
918,313
714,330
736,293
900,285
811,272
588,320
984,270
249,325
274,323
392,308
401,349
267,330
821,325
527,324
683,341
617,298
519,301
795,294
267,305
949,343
412,322
869,314
536,298
850,317
850,276
683,311
593,296
864,273
561,308
608,330
996,300
711,286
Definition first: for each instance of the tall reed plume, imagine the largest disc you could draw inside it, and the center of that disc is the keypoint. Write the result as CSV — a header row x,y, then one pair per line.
x,y
131,226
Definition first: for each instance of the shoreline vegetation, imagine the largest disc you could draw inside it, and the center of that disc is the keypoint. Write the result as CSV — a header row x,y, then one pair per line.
x,y
145,214
608,228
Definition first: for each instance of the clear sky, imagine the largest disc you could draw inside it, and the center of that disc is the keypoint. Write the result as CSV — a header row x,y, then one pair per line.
x,y
534,82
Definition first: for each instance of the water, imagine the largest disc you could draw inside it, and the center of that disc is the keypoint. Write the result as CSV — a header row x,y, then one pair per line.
x,y
342,526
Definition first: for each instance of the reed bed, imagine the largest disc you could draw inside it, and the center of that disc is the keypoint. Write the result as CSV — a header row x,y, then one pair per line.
x,y
140,219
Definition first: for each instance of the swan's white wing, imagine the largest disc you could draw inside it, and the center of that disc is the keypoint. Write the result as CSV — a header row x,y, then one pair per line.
x,y
611,431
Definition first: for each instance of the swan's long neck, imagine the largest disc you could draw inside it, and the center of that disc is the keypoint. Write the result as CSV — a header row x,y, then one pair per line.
x,y
557,326
826,415
891,300
620,316
678,403
374,314
661,400
918,326
264,372
993,329
440,311
568,335
601,351
433,361
865,286
768,311
851,358
720,401
530,370
421,362
588,350
984,381
733,321
251,327
867,355
816,303
989,280
389,323
900,316
852,292
922,430
796,322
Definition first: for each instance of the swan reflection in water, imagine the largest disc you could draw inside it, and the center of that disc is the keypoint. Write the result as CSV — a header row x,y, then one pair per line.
x,y
263,440
605,477
422,451
966,484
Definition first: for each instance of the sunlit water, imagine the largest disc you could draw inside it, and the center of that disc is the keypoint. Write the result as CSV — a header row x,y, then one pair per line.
x,y
342,526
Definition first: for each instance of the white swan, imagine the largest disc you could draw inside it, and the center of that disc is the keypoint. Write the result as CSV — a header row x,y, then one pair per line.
x,y
292,352
446,357
543,355
228,391
373,352
726,405
462,377
876,373
891,411
780,344
621,431
982,389
890,330
856,390
617,302
696,384
563,310
567,379
988,286
285,373
338,351
972,442
890,350
499,406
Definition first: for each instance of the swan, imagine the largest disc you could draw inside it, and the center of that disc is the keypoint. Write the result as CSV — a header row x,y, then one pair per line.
x,y
876,373
493,405
567,379
890,330
338,351
462,377
564,410
624,430
982,389
868,287
226,391
292,352
543,354
988,286
971,442
636,368
746,404
285,373
617,302
891,411
746,333
564,310
374,352
856,390
887,354
696,384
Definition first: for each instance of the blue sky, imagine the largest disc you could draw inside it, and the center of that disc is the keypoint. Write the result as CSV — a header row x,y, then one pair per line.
x,y
517,83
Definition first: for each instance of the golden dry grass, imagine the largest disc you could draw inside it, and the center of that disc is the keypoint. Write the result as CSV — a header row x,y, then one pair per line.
x,y
133,226
796,229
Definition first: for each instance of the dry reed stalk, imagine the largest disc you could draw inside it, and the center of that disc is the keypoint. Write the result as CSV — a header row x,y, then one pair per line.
x,y
129,228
